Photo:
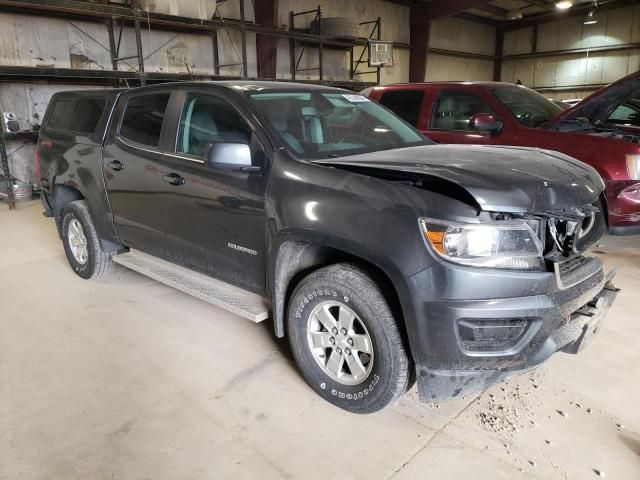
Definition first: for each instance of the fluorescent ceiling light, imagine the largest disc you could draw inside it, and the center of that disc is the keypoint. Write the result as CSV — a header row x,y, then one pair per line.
x,y
564,5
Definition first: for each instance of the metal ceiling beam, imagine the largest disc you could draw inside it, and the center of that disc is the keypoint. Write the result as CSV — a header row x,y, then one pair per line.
x,y
493,10
541,4
445,8
552,16
478,19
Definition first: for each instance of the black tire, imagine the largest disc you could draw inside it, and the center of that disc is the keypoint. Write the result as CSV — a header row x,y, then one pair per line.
x,y
390,373
98,262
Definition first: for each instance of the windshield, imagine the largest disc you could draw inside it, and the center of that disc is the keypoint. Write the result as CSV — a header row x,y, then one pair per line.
x,y
315,125
530,108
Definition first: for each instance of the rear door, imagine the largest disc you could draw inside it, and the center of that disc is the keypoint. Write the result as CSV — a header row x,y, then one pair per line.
x,y
214,219
132,154
407,104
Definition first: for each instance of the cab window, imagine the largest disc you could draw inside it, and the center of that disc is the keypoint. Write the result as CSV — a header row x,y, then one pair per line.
x,y
206,120
404,103
143,117
453,110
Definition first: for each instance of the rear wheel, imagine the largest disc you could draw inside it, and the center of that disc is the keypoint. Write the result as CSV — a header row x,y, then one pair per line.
x,y
346,340
81,243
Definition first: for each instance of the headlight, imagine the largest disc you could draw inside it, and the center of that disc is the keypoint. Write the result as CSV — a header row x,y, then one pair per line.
x,y
633,167
508,244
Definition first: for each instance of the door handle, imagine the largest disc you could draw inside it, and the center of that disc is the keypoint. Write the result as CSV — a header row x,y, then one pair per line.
x,y
115,165
174,179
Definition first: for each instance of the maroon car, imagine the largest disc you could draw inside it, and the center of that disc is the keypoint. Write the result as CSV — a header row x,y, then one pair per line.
x,y
603,130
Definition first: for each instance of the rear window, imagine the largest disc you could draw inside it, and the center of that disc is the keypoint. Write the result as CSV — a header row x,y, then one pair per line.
x,y
143,117
404,103
61,113
79,115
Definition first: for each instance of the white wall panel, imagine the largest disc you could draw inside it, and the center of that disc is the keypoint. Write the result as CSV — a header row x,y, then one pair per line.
x,y
614,27
453,33
443,67
567,70
615,66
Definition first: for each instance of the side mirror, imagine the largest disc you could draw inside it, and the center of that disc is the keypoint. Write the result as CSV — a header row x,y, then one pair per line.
x,y
485,122
230,156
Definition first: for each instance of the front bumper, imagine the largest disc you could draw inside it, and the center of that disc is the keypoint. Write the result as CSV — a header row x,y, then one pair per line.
x,y
563,311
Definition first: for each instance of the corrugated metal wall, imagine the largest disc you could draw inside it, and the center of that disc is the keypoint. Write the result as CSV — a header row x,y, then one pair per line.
x,y
615,27
462,36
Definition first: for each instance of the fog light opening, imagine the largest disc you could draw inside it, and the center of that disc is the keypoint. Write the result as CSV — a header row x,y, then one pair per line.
x,y
492,335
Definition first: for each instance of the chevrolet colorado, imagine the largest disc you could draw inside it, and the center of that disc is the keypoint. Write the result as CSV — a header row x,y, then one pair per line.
x,y
385,259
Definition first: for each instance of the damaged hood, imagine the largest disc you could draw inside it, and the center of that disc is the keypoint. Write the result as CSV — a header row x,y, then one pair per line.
x,y
599,106
502,179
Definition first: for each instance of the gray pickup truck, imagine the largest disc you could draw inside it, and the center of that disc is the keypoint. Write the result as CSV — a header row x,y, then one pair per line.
x,y
385,259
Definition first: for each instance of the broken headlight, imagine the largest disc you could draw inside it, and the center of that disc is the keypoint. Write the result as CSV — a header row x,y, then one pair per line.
x,y
511,244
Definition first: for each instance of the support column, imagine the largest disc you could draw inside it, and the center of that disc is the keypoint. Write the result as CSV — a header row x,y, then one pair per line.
x,y
497,63
266,14
419,29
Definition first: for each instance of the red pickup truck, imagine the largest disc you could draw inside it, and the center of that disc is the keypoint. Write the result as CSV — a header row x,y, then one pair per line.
x,y
603,130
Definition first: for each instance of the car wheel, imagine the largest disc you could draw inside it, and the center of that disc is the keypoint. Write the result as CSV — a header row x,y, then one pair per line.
x,y
346,341
81,243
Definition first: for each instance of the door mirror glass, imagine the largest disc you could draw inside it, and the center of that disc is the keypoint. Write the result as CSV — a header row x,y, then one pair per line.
x,y
485,122
229,156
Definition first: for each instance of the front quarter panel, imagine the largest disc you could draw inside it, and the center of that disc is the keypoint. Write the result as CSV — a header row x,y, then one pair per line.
x,y
372,219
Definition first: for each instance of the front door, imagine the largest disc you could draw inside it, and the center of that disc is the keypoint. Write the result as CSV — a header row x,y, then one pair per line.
x,y
215,219
130,163
450,120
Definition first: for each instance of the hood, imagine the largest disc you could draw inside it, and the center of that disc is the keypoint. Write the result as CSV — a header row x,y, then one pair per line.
x,y
599,106
501,179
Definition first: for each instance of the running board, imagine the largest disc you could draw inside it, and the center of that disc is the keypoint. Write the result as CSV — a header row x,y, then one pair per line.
x,y
229,297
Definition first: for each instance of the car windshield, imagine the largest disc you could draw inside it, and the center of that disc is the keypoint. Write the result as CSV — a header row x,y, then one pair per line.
x,y
530,108
316,125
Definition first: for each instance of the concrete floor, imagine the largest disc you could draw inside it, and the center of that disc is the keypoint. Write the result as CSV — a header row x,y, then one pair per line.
x,y
129,379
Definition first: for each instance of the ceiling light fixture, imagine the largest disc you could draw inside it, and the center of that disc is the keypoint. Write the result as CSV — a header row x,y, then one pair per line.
x,y
564,5
515,14
590,19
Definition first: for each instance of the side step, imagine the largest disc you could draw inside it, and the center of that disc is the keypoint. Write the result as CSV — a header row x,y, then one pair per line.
x,y
229,297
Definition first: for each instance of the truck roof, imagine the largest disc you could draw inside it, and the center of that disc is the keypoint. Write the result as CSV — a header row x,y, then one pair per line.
x,y
245,85
242,85
486,84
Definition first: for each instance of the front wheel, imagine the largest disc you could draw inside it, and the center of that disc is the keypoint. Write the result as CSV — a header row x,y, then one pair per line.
x,y
346,341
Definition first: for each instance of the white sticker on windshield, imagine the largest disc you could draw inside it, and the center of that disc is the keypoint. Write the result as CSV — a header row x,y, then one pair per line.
x,y
355,98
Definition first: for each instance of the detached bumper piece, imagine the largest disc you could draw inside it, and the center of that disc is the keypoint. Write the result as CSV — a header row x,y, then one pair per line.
x,y
482,338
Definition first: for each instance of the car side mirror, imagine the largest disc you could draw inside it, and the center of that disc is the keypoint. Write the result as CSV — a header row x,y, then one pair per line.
x,y
230,156
485,122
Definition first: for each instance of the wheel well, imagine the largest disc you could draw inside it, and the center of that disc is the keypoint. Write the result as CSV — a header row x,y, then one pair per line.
x,y
297,259
63,195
